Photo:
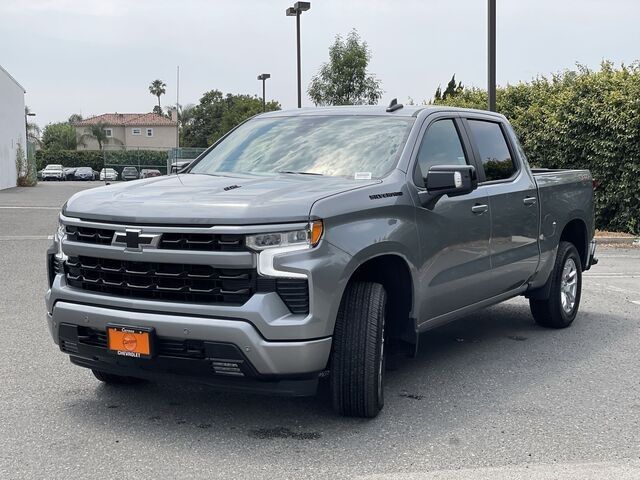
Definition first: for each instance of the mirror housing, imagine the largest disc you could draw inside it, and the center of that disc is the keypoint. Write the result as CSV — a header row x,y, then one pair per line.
x,y
450,180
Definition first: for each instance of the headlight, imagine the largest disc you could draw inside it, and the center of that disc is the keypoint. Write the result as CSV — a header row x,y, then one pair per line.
x,y
61,234
309,236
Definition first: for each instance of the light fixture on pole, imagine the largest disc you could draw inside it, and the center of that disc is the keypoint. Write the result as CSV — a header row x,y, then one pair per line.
x,y
296,11
263,77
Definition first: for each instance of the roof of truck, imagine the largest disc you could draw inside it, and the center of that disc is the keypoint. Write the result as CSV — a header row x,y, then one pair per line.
x,y
405,111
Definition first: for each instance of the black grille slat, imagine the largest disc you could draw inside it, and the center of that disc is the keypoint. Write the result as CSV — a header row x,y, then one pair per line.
x,y
294,293
99,236
202,241
159,281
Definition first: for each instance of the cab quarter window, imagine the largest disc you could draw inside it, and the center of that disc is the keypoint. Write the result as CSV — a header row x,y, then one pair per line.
x,y
494,152
441,145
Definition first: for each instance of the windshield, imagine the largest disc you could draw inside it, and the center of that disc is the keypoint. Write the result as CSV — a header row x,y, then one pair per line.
x,y
53,167
368,146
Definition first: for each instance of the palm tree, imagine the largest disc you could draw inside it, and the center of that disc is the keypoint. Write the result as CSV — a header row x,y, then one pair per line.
x,y
96,132
33,130
75,117
157,88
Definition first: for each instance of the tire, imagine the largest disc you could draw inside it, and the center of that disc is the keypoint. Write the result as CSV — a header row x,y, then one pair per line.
x,y
357,356
111,379
558,311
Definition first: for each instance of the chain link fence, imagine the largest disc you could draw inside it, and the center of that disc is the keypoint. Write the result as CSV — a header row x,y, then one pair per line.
x,y
123,164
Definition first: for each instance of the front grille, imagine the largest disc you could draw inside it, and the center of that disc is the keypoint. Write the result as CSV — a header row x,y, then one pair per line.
x,y
161,281
210,242
92,235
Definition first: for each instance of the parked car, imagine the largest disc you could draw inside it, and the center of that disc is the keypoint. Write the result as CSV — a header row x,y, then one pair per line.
x,y
178,166
129,173
108,174
69,172
84,173
150,172
259,271
53,172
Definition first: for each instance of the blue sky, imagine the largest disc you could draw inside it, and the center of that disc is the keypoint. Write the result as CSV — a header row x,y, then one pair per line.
x,y
99,56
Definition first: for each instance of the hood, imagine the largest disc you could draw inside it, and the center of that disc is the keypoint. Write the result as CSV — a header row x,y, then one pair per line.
x,y
204,199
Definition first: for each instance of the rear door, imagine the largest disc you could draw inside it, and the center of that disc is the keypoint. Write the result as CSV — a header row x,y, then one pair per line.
x,y
513,202
454,233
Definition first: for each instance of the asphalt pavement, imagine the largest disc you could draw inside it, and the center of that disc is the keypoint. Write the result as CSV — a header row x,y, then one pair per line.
x,y
489,396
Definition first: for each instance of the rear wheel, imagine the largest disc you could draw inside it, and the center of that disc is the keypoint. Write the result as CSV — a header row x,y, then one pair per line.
x,y
112,379
561,308
357,358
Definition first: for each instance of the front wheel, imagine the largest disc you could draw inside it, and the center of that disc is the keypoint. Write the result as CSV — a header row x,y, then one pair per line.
x,y
357,357
561,308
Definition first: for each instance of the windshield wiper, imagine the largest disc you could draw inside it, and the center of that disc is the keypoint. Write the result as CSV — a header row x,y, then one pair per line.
x,y
300,173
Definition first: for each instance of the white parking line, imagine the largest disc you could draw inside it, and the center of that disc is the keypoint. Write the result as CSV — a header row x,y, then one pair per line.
x,y
612,275
19,207
26,237
637,302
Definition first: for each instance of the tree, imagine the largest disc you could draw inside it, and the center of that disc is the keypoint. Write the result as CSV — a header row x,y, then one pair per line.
x,y
75,118
344,80
451,91
32,129
216,114
157,88
59,136
97,133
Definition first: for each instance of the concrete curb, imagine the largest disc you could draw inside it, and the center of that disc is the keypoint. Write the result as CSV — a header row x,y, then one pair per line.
x,y
618,240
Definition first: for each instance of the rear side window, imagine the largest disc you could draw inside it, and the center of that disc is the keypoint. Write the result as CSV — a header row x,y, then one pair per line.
x,y
441,145
494,152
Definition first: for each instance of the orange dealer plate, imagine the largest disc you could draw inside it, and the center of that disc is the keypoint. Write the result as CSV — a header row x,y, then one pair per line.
x,y
129,341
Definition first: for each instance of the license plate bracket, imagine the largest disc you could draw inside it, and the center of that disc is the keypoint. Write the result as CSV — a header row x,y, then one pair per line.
x,y
129,341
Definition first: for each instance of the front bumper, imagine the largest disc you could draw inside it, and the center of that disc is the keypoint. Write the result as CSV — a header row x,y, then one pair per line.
x,y
264,364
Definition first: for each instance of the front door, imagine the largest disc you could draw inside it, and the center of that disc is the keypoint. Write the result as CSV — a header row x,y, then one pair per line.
x,y
454,233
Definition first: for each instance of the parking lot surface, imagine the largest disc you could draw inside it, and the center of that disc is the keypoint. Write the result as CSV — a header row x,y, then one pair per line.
x,y
489,396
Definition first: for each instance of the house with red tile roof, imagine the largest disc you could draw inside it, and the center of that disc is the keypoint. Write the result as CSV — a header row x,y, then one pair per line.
x,y
148,131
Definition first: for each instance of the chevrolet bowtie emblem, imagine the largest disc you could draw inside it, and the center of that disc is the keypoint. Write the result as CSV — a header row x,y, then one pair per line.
x,y
134,240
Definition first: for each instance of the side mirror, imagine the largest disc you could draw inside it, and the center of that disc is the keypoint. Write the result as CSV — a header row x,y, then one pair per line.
x,y
450,180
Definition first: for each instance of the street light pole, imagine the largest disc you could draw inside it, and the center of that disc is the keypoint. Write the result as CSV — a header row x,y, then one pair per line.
x,y
264,77
296,11
491,60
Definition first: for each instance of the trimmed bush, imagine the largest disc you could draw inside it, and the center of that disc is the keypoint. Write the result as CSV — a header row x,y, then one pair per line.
x,y
97,159
580,119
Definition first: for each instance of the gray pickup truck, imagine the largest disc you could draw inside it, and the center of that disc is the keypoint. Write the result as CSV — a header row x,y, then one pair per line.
x,y
311,243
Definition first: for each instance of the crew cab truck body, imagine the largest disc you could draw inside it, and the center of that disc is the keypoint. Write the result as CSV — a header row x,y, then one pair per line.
x,y
315,240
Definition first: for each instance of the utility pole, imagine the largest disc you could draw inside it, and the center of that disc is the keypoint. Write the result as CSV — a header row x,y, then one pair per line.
x,y
491,53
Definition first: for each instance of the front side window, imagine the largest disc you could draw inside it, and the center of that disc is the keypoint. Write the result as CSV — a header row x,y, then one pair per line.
x,y
494,152
441,145
339,145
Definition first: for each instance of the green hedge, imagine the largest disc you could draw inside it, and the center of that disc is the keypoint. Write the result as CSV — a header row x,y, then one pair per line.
x,y
97,159
581,119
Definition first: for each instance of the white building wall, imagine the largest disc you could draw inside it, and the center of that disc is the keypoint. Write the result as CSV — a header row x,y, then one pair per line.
x,y
12,127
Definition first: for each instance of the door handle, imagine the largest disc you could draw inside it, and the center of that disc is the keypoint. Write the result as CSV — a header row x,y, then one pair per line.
x,y
528,201
479,208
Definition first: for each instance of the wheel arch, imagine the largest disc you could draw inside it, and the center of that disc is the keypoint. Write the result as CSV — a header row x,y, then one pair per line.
x,y
394,272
